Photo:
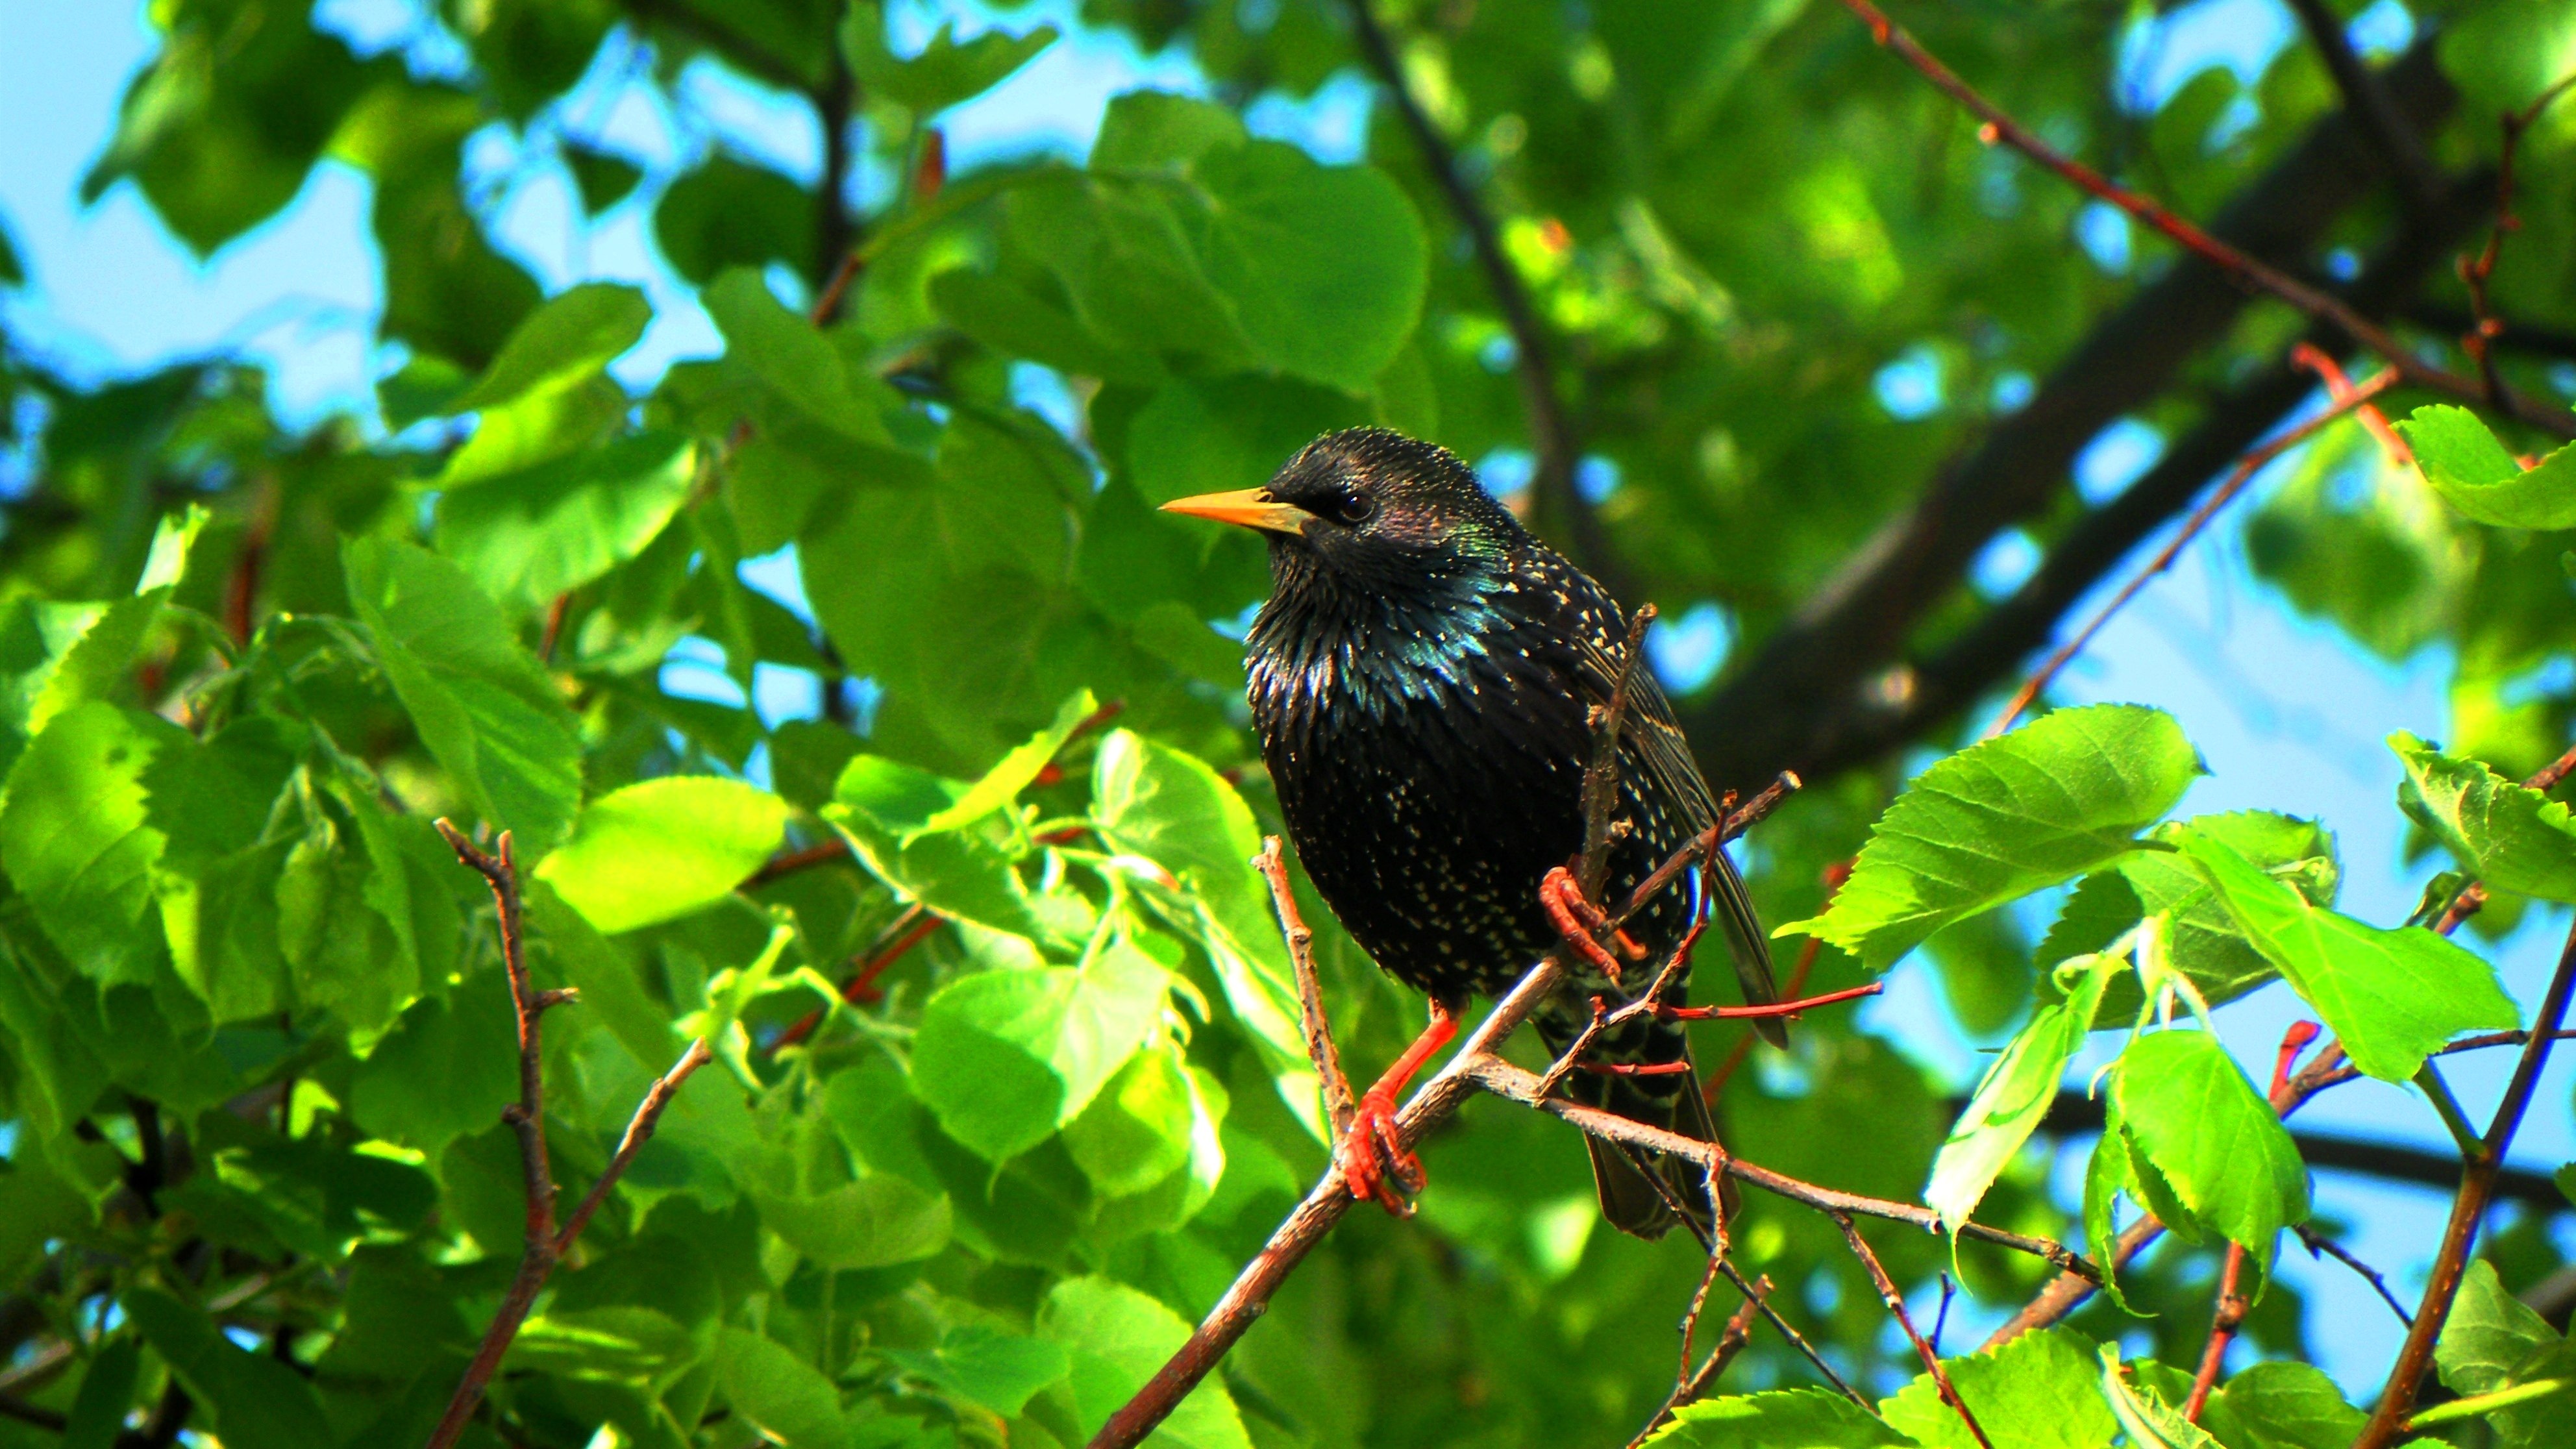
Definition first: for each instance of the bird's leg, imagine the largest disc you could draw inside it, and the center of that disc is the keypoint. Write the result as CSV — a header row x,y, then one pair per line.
x,y
1370,1152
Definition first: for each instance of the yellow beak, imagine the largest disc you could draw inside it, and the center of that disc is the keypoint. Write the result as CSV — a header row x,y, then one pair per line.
x,y
1249,507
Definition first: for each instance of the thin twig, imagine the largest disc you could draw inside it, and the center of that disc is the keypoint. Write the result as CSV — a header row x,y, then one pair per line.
x,y
545,1245
526,1117
1553,443
2224,1321
1895,1301
1999,126
639,1129
2317,1242
2218,499
1730,1342
2475,273
1338,1104
1762,1305
917,924
789,862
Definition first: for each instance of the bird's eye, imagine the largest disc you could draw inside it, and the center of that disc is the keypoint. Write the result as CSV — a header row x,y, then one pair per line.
x,y
1351,506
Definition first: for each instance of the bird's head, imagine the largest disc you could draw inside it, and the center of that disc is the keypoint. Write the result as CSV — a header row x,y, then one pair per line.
x,y
1370,511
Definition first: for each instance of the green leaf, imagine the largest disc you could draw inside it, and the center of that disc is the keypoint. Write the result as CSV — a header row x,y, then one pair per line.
x,y
2282,1405
2391,997
1160,131
1136,1132
604,179
75,837
444,1072
526,537
482,705
661,849
997,1370
447,291
223,125
2489,1335
2040,1391
2507,834
36,1205
2003,818
255,1401
1781,1419
789,356
945,72
871,1223
2106,1175
2475,475
728,213
960,874
1004,1058
106,1396
2014,1095
2144,1416
619,1343
781,1394
1116,1339
1171,808
2200,938
561,344
2212,1138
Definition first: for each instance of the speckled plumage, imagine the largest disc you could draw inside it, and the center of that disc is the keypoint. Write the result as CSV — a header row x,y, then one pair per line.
x,y
1422,679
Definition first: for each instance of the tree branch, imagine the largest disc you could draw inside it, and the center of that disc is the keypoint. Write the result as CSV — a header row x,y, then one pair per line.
x,y
544,1245
1434,1102
1889,1294
1817,694
2468,1212
1338,1106
1821,696
2419,182
2251,271
2219,497
1554,443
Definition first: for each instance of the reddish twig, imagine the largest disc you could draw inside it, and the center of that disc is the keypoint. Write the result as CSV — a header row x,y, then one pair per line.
x,y
1339,1107
639,1130
526,1116
789,862
2223,1324
916,925
1999,126
556,612
1895,1301
2475,273
545,1245
2218,499
2339,389
1835,875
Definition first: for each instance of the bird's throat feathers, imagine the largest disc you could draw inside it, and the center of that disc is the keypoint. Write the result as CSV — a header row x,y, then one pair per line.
x,y
1376,637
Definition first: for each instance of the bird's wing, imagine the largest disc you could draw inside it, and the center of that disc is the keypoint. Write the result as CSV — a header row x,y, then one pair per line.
x,y
1656,745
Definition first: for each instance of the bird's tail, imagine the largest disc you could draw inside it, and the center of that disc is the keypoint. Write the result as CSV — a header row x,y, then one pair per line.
x,y
1747,946
1643,1193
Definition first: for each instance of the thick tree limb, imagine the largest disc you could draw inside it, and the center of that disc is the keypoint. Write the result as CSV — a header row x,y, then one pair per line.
x,y
1554,443
2419,182
1826,693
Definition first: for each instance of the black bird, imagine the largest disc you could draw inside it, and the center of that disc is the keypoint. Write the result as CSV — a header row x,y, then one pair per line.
x,y
1423,677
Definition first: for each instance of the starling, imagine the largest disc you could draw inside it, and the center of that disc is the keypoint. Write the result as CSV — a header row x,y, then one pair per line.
x,y
1424,677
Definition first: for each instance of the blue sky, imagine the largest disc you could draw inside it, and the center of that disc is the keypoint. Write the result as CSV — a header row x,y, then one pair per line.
x,y
2288,715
